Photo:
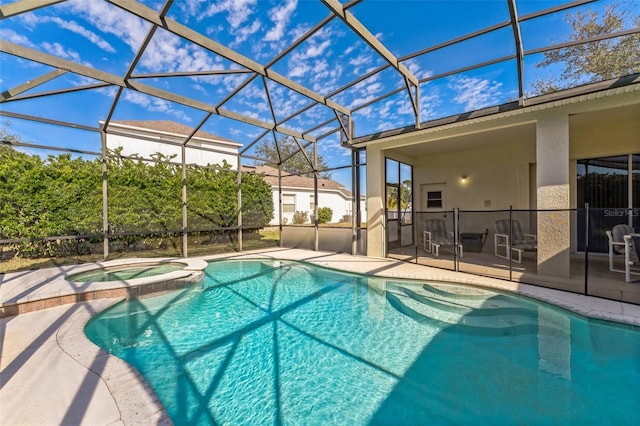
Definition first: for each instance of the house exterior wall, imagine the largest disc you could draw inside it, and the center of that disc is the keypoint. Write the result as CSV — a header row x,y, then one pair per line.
x,y
497,175
335,200
144,148
503,173
552,182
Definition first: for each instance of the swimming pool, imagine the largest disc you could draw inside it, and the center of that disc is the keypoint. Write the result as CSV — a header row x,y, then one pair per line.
x,y
126,272
263,342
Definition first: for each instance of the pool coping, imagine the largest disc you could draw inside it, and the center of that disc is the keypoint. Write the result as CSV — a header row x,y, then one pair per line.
x,y
58,290
135,399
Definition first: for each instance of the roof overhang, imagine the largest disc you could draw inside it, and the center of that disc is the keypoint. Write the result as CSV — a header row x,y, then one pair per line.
x,y
602,95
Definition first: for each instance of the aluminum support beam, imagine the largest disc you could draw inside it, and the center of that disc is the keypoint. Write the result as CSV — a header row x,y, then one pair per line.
x,y
280,210
190,73
19,7
56,92
31,84
48,121
183,168
584,41
54,61
105,198
193,36
316,231
517,38
239,195
356,26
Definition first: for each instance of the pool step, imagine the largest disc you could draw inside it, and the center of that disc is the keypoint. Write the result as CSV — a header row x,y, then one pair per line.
x,y
455,294
486,309
503,322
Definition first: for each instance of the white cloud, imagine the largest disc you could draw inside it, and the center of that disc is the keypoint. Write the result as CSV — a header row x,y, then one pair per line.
x,y
385,125
243,33
317,49
299,70
475,93
74,27
238,11
112,20
14,37
415,68
280,17
429,102
231,81
155,104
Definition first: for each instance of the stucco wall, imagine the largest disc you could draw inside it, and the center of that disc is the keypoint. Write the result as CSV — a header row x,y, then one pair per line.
x,y
604,133
497,175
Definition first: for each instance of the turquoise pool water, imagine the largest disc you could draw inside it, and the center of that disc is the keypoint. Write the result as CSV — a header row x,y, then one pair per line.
x,y
277,342
126,272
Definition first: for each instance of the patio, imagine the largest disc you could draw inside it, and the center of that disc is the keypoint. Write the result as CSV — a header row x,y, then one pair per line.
x,y
52,374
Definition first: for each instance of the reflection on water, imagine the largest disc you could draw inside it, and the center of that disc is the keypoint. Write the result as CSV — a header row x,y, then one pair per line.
x,y
263,342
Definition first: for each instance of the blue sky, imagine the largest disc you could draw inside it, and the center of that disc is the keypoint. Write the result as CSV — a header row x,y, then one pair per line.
x,y
102,36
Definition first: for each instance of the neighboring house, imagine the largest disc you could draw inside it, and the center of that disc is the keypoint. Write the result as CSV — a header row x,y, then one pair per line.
x,y
298,195
148,137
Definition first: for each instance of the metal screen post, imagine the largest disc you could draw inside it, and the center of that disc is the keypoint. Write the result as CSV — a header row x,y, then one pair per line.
x,y
586,248
354,200
315,195
185,239
414,216
456,239
280,204
105,200
510,243
239,194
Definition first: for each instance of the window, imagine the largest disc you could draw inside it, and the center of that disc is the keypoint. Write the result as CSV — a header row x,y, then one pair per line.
x,y
434,200
288,203
312,202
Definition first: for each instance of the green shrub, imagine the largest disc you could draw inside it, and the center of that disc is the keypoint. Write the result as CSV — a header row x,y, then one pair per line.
x,y
300,217
324,214
62,196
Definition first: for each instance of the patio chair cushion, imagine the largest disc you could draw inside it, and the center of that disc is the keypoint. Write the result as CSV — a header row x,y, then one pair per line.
x,y
438,231
518,240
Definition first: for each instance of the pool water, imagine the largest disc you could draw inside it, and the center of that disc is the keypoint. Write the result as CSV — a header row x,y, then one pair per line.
x,y
278,342
126,272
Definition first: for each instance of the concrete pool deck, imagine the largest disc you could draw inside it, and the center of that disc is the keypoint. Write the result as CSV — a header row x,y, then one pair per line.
x,y
52,374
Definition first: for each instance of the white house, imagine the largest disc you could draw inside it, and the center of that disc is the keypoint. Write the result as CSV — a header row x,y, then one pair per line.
x,y
298,195
148,137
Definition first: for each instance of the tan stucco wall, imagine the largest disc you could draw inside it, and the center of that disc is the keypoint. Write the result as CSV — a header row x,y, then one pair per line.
x,y
552,184
605,133
498,173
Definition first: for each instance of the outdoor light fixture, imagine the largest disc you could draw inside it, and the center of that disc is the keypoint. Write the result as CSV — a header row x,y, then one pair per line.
x,y
463,179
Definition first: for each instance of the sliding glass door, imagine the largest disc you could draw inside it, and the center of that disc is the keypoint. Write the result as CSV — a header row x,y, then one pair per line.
x,y
398,204
611,187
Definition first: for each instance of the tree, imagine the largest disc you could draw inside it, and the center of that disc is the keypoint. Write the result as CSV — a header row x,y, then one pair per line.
x,y
297,164
596,61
